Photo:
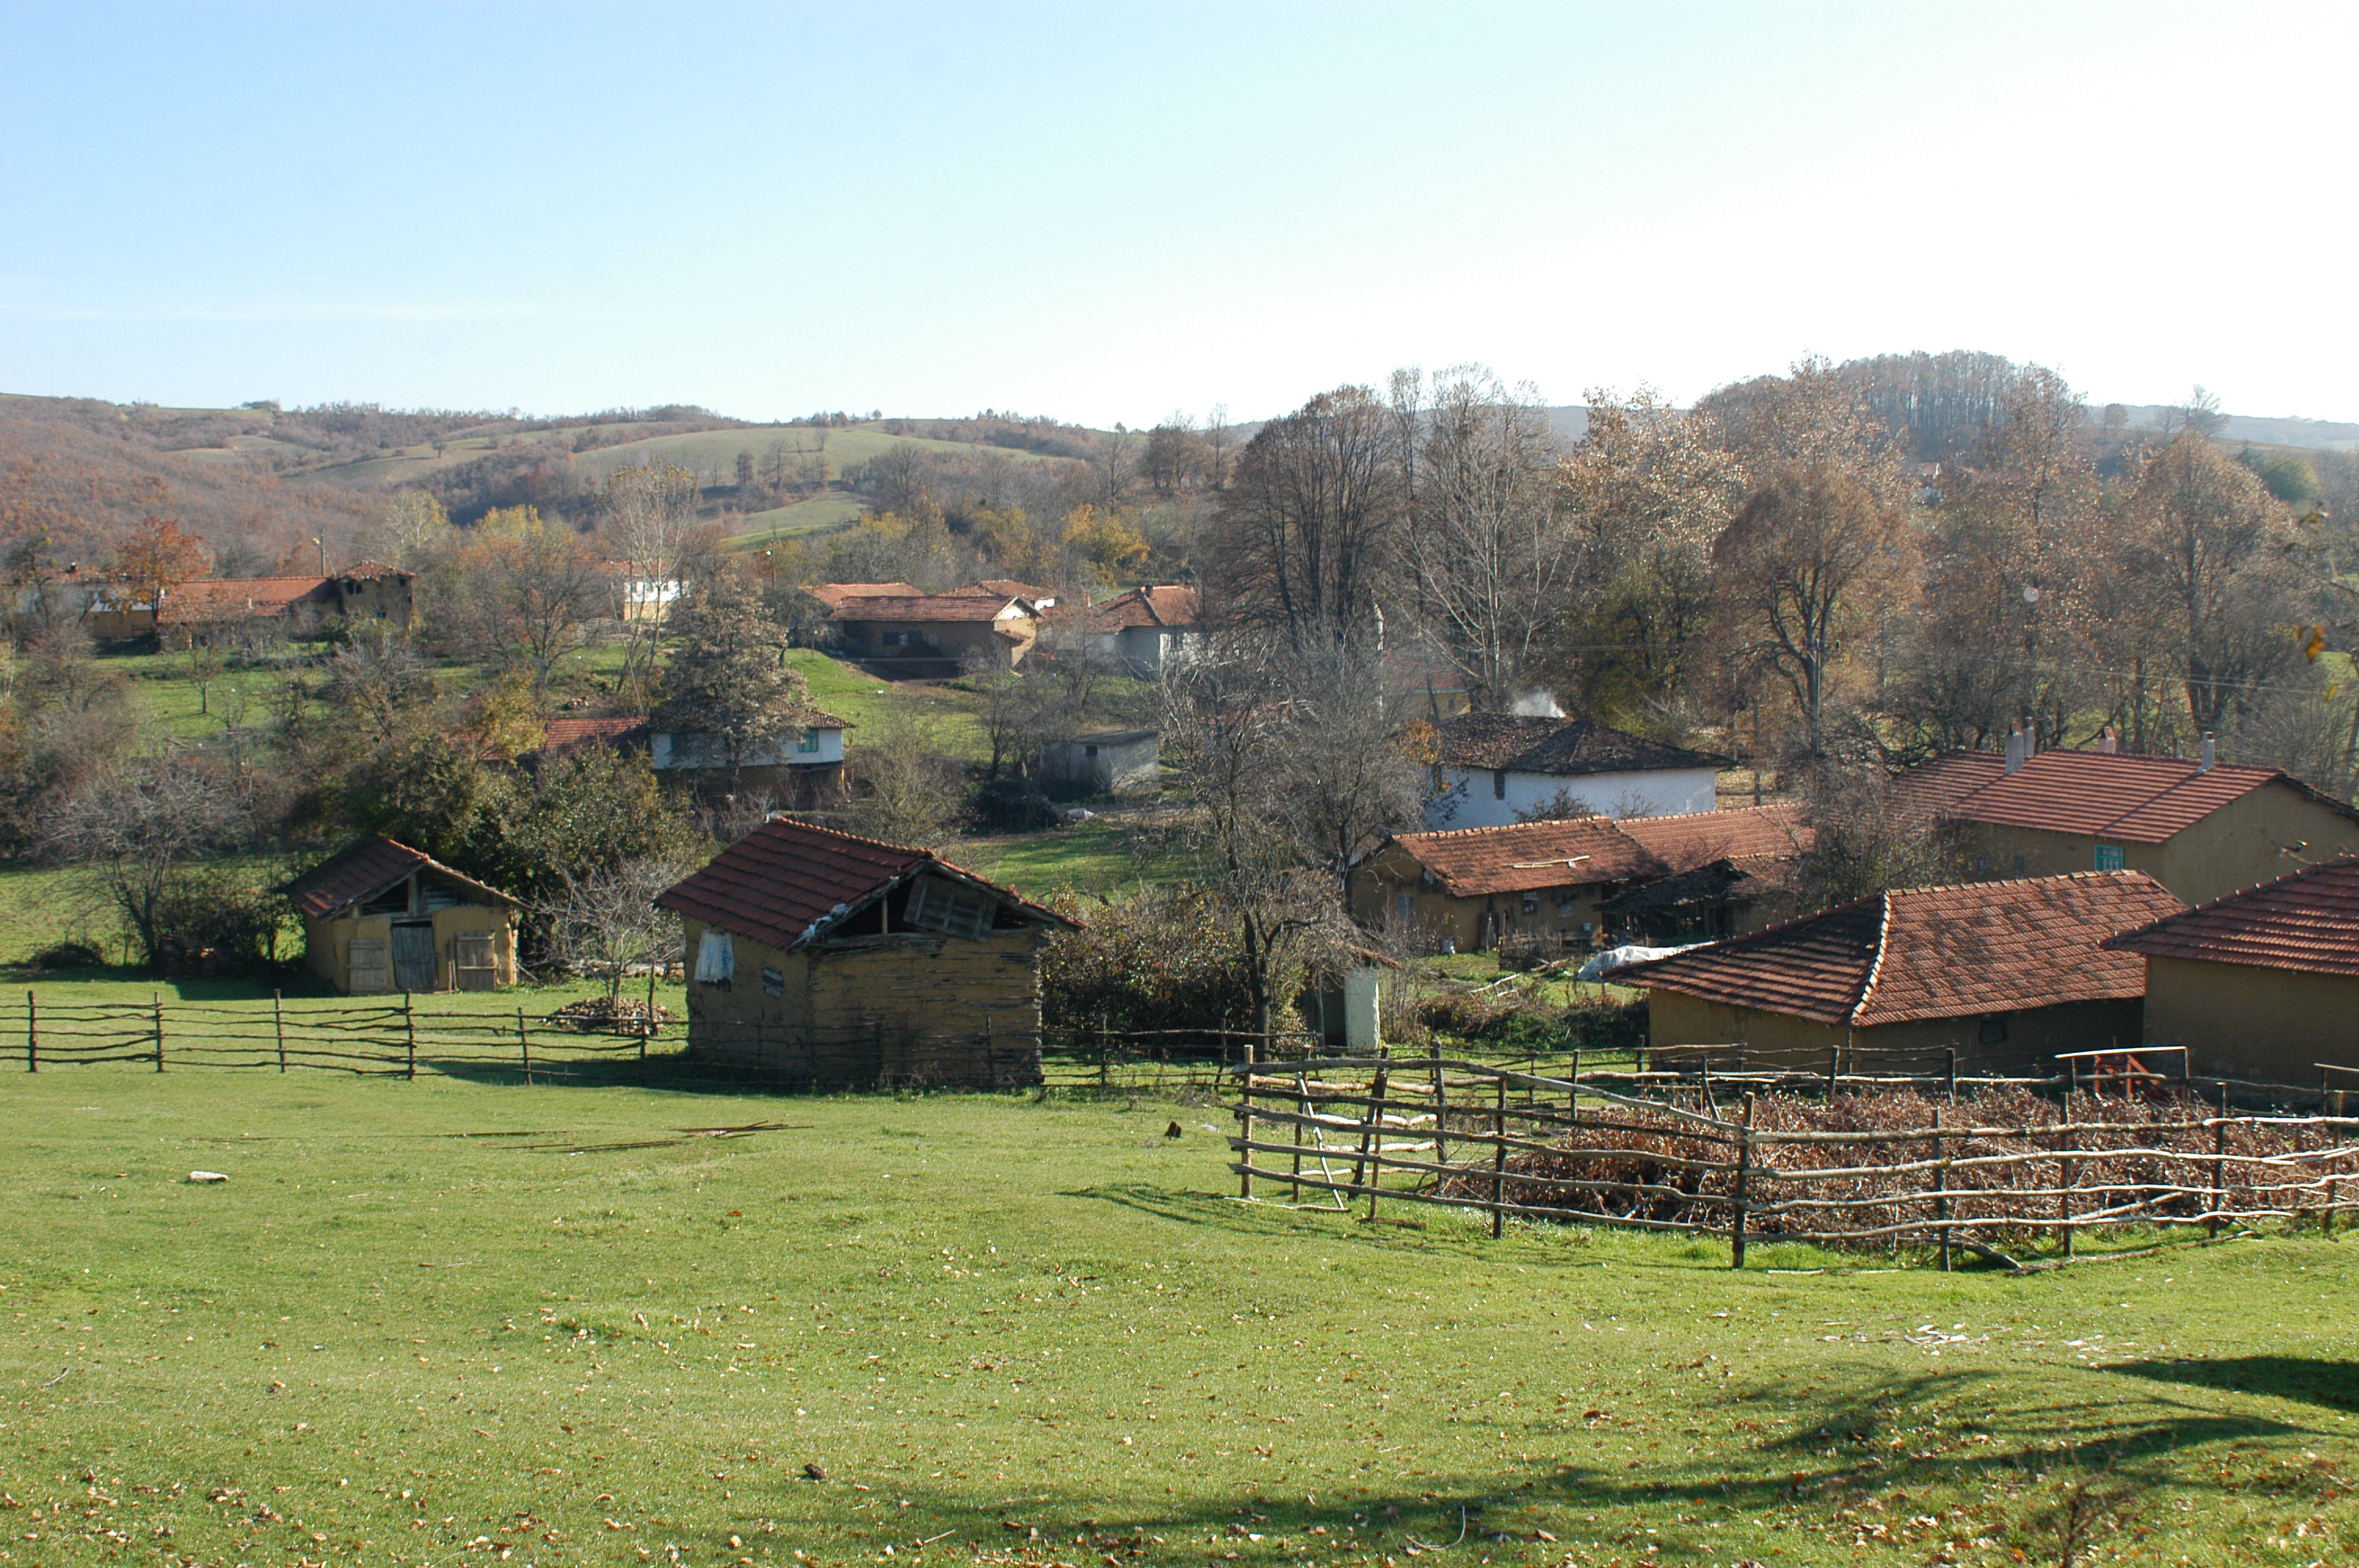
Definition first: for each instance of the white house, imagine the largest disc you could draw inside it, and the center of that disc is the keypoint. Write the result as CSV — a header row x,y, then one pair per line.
x,y
805,767
1144,627
1501,768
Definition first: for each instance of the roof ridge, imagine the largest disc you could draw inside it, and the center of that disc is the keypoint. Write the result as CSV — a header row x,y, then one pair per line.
x,y
2339,862
2125,872
1512,826
1875,964
840,833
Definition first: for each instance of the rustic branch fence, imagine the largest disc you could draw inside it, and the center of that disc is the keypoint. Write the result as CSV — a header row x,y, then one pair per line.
x,y
1889,1167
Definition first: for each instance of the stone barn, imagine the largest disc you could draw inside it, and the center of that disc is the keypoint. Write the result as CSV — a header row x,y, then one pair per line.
x,y
381,916
819,958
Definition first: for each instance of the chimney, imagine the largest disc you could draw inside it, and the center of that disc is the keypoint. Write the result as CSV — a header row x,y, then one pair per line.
x,y
2211,754
2110,742
2015,750
2030,739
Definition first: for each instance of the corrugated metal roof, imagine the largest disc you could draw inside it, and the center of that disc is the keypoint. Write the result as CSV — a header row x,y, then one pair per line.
x,y
783,882
2307,921
1560,747
368,868
1927,953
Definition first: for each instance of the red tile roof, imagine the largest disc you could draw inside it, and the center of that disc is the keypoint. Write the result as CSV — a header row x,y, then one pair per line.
x,y
1927,953
368,868
1174,605
218,599
1560,747
833,594
1006,587
567,736
785,882
2139,800
1775,832
1575,852
369,571
924,607
2307,921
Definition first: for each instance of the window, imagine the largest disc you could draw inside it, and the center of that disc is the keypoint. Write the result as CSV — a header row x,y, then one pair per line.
x,y
2109,857
1498,783
807,742
773,983
936,905
1994,1031
716,959
1531,903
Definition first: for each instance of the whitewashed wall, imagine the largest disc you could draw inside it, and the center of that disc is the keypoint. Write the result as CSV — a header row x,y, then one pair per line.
x,y
1468,801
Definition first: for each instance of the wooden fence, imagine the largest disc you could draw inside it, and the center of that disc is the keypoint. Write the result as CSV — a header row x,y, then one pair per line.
x,y
1885,1167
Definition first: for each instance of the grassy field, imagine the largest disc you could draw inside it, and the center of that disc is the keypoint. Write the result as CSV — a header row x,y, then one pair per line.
x,y
815,515
439,1322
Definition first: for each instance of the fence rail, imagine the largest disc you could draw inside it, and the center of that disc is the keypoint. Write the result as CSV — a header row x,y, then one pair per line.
x,y
2024,1159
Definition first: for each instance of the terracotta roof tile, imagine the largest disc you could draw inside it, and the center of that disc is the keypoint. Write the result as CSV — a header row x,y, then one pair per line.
x,y
782,882
1576,852
1927,953
924,607
2307,921
832,594
2139,800
1775,832
368,868
1006,587
370,571
1561,747
1173,605
213,598
567,736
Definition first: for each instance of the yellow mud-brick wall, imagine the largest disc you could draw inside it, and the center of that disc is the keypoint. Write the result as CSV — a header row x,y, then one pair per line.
x,y
2266,834
328,945
470,919
1379,885
2242,1020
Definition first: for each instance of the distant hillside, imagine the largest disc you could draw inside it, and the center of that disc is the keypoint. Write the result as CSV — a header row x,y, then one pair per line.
x,y
2323,435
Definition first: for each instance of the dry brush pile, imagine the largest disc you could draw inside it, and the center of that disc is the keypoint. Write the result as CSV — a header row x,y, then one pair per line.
x,y
2015,1163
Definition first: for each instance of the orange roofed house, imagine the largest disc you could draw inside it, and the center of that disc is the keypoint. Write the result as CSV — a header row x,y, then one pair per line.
x,y
1569,883
381,916
201,609
2203,831
1146,628
822,958
2261,984
2002,973
936,635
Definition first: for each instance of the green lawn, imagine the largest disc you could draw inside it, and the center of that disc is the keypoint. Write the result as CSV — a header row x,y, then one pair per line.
x,y
442,1322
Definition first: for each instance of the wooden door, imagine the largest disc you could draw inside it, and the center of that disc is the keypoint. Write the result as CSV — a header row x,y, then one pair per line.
x,y
413,957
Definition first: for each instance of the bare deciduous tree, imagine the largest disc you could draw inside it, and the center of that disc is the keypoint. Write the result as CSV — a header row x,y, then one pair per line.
x,y
603,923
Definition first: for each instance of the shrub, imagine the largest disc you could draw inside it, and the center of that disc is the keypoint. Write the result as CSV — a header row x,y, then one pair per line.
x,y
1161,960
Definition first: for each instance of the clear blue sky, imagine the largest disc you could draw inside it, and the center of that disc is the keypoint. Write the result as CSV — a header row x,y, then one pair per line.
x,y
1109,213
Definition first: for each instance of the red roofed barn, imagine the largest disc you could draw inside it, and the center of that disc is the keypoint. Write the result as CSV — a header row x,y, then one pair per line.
x,y
2201,831
936,633
1998,972
2262,984
381,916
829,959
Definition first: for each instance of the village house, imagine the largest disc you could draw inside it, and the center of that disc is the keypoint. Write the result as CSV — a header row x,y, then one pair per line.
x,y
828,959
1463,889
2202,831
835,595
803,768
1723,874
1108,761
1009,588
2261,984
936,635
1143,629
1499,768
200,609
381,916
1573,882
2003,974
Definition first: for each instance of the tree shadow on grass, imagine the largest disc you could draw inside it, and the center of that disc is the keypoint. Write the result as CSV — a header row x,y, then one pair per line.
x,y
2305,1380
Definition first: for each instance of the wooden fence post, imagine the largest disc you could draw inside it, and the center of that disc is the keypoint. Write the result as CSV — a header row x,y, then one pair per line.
x,y
409,1027
1499,1160
278,1027
1953,1085
1744,1185
2219,1164
646,1027
1834,1070
32,1033
1301,1109
1244,1126
158,1003
1440,1110
1372,1142
524,1048
2068,1176
1941,1177
1572,1096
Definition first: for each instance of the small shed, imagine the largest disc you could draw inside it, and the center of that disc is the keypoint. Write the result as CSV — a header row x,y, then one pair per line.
x,y
824,959
1109,762
381,916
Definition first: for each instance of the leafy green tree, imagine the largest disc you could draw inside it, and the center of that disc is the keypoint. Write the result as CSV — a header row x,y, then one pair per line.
x,y
728,676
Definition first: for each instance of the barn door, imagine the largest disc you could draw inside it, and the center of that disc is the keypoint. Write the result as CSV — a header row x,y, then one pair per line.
x,y
413,957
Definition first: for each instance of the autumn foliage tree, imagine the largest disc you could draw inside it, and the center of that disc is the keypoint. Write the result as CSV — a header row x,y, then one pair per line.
x,y
153,554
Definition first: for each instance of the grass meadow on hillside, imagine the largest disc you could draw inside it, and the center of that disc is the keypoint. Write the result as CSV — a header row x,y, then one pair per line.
x,y
442,1321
